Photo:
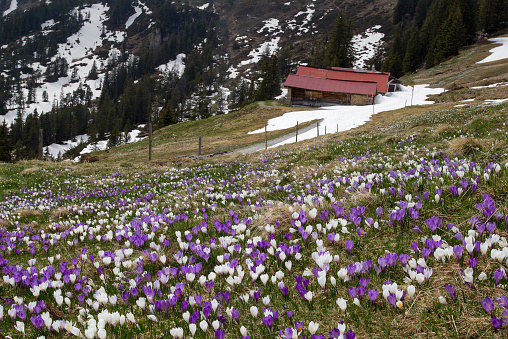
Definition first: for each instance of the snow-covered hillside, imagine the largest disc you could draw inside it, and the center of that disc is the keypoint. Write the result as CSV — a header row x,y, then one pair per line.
x,y
79,53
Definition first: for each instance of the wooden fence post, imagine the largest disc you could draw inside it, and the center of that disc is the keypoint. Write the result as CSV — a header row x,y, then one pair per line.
x,y
149,141
317,127
297,131
199,147
266,136
41,155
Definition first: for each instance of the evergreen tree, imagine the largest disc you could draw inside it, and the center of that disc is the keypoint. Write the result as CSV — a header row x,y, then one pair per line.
x,y
5,143
404,8
92,75
202,102
269,86
413,57
167,117
493,15
450,38
394,60
114,138
74,75
221,102
339,49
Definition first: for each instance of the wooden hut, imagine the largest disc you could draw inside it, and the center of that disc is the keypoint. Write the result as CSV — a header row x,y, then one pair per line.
x,y
316,87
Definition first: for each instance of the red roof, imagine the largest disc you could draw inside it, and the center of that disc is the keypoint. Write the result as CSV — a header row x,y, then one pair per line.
x,y
348,74
330,85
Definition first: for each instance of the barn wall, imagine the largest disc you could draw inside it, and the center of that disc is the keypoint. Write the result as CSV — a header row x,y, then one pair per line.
x,y
299,96
360,100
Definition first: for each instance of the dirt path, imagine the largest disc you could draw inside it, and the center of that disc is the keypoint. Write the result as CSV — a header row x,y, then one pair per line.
x,y
261,145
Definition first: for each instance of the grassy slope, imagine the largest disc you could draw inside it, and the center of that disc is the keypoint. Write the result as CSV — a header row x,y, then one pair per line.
x,y
477,133
220,133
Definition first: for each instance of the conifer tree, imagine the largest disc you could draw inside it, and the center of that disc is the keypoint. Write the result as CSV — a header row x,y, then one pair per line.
x,y
5,143
167,116
412,58
450,38
394,60
92,75
493,15
339,49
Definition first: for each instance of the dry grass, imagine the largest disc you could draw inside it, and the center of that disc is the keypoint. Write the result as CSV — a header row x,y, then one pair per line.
x,y
25,213
29,170
464,146
219,134
60,212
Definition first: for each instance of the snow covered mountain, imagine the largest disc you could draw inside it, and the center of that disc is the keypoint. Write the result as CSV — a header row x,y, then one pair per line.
x,y
119,63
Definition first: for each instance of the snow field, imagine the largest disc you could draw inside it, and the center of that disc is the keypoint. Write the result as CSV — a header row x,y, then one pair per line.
x,y
348,117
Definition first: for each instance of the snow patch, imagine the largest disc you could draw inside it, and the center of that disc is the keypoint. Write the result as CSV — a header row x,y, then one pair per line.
x,y
302,28
255,55
498,53
343,118
59,149
12,7
47,24
499,84
177,65
133,17
78,51
366,44
271,26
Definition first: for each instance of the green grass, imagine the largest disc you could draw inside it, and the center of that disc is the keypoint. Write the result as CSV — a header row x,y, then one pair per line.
x,y
264,190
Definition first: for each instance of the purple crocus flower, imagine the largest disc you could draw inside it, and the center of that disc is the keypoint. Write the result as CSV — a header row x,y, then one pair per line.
x,y
487,304
491,227
352,292
457,251
334,333
220,334
392,299
434,223
299,326
37,321
360,291
268,321
414,246
498,275
209,284
451,290
496,322
207,309
364,282
349,245
287,334
503,301
289,313
403,259
373,295
379,211
472,262
235,313
417,229
426,253
350,335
